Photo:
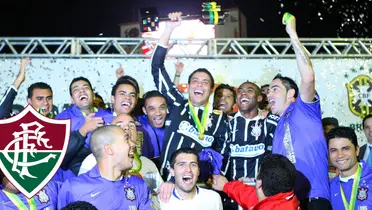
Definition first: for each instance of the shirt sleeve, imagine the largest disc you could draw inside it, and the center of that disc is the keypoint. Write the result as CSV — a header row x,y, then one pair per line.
x,y
146,201
243,194
64,195
7,101
312,109
162,81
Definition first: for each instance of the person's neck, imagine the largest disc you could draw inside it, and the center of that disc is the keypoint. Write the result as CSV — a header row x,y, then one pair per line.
x,y
201,104
285,108
260,195
87,110
249,114
350,172
109,172
186,195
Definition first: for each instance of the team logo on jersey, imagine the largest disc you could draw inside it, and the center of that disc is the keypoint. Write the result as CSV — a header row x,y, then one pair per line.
x,y
362,193
189,130
256,130
360,95
32,148
43,196
130,193
247,150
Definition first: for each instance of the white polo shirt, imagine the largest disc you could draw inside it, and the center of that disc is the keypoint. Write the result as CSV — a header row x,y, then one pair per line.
x,y
203,200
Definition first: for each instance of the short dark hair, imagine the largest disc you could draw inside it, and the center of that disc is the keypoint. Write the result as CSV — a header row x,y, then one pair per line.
x,y
37,85
343,132
257,89
366,118
265,85
134,81
329,121
288,83
79,205
186,150
204,71
152,94
227,87
80,79
124,80
277,174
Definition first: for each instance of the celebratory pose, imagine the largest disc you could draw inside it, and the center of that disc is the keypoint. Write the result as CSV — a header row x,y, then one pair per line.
x,y
192,122
350,189
299,133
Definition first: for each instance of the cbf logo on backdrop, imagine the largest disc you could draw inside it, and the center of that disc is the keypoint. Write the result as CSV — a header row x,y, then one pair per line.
x,y
32,148
360,95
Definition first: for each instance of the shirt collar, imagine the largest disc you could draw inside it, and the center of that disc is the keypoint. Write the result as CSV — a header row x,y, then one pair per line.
x,y
346,179
176,195
239,114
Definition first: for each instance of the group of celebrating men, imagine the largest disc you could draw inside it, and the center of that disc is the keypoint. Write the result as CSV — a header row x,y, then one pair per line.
x,y
186,153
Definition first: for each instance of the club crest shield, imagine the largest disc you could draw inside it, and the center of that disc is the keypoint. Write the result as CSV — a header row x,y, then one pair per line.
x,y
360,95
32,148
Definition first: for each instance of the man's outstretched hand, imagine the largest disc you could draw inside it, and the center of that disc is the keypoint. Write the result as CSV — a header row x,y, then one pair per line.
x,y
175,20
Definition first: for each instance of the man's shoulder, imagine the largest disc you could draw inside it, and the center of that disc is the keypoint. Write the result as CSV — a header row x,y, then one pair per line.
x,y
209,194
136,181
67,113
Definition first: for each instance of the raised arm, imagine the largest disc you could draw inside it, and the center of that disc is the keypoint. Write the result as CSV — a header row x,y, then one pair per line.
x,y
175,20
161,78
179,69
307,87
6,102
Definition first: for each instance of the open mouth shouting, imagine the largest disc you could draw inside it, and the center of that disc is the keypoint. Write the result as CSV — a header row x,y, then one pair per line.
x,y
271,103
83,97
158,120
198,93
187,179
244,101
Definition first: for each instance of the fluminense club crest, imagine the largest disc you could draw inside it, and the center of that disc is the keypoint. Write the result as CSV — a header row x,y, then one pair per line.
x,y
32,148
360,95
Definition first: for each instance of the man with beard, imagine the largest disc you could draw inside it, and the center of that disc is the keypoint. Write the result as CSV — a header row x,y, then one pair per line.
x,y
299,133
155,109
105,186
251,137
224,98
186,195
192,122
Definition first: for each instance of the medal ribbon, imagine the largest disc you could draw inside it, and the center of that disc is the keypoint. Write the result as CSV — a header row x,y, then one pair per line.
x,y
199,125
15,199
353,192
94,111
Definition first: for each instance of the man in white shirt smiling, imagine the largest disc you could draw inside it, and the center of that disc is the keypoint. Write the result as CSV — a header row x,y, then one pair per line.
x,y
184,167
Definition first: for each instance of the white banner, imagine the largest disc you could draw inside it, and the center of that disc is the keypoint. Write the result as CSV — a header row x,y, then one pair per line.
x,y
332,75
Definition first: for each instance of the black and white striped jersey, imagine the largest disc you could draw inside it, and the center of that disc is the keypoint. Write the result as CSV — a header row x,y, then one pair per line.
x,y
180,129
250,140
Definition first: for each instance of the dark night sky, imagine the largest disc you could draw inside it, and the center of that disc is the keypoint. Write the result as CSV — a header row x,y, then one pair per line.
x,y
83,18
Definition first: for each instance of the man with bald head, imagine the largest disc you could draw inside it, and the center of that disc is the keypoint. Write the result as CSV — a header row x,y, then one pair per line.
x,y
105,186
148,171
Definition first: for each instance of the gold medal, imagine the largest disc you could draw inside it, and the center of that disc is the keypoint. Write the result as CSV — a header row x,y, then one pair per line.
x,y
201,136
